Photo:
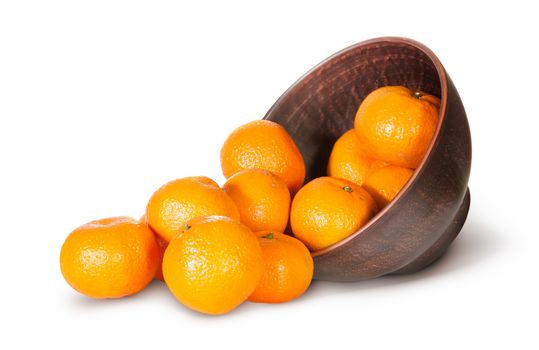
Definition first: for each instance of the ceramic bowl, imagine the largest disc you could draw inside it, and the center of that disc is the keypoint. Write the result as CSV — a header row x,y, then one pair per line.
x,y
425,217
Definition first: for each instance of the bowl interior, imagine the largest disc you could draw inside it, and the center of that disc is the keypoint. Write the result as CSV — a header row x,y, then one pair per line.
x,y
321,105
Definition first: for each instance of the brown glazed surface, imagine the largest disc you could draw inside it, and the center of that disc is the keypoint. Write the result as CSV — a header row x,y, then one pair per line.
x,y
419,224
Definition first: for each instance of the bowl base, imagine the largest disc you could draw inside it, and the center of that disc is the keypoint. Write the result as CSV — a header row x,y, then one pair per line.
x,y
440,247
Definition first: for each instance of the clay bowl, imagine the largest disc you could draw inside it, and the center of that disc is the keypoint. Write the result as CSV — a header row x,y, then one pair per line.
x,y
419,224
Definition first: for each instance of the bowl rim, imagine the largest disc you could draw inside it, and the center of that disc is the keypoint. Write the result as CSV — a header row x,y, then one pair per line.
x,y
435,139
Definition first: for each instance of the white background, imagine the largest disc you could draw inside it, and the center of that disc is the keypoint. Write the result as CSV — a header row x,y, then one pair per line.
x,y
101,102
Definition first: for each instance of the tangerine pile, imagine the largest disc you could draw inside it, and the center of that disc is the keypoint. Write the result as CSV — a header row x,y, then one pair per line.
x,y
216,247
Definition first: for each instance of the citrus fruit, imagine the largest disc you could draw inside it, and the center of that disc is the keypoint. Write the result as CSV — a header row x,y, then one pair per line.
x,y
385,183
263,144
179,201
288,268
109,258
348,159
396,125
262,198
326,210
213,265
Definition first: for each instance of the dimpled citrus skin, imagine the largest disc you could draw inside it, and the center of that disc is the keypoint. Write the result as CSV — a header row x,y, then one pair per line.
x,y
327,210
263,144
213,265
181,200
262,198
396,125
385,183
349,161
109,258
288,268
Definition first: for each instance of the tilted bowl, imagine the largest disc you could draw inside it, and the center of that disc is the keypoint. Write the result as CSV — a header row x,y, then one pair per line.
x,y
424,218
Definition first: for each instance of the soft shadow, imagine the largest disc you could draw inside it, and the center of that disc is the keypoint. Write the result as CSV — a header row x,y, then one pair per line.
x,y
156,290
477,242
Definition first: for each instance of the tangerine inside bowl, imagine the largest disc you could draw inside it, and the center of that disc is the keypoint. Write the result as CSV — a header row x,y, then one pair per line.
x,y
416,228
